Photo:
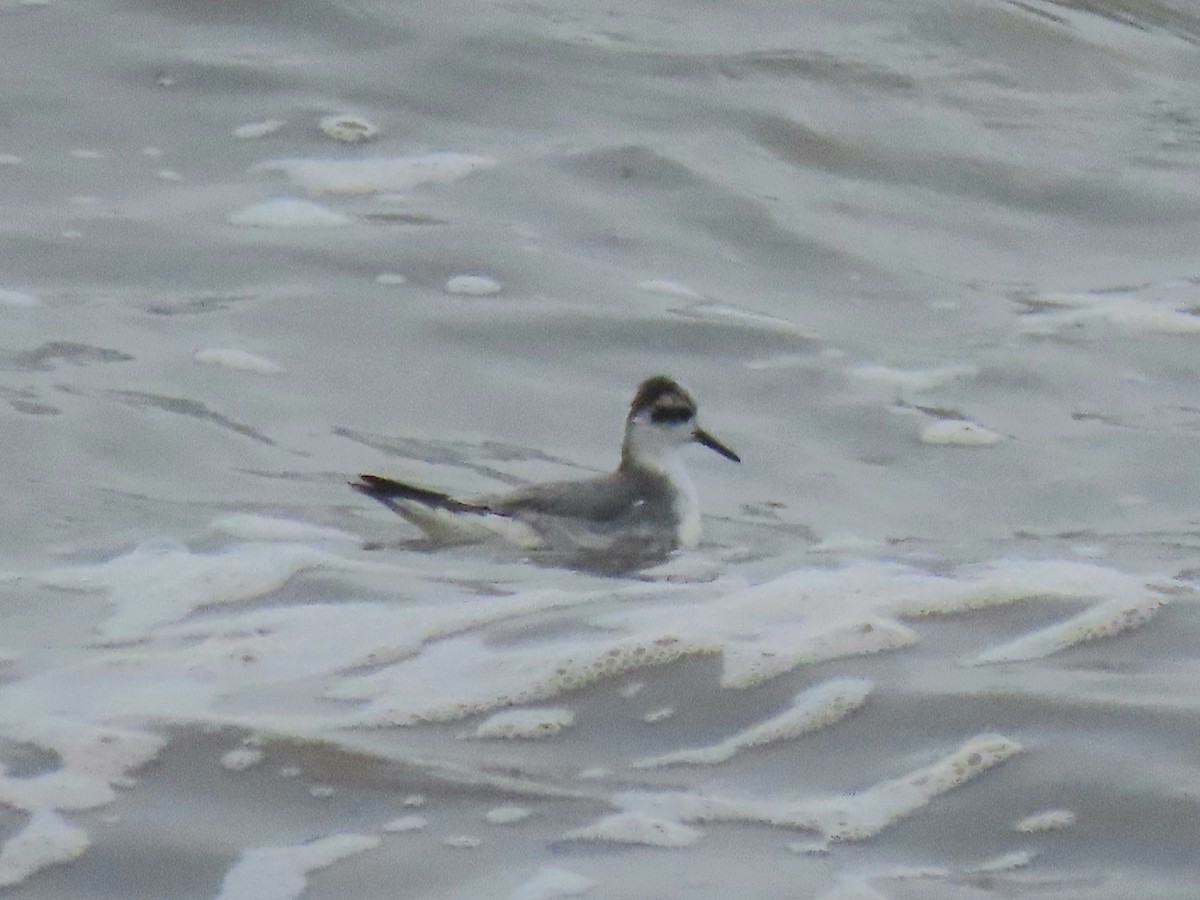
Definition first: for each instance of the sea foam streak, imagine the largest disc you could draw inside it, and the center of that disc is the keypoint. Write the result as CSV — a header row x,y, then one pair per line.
x,y
420,658
850,817
280,873
818,707
368,176
430,662
46,840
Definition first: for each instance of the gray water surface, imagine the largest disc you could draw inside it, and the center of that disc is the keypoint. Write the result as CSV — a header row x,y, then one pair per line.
x,y
930,268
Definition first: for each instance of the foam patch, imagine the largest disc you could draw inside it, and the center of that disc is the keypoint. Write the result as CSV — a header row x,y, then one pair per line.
x,y
816,708
636,828
46,840
369,176
280,873
851,817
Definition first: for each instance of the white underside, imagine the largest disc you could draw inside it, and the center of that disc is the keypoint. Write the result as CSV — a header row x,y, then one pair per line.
x,y
447,527
656,449
687,504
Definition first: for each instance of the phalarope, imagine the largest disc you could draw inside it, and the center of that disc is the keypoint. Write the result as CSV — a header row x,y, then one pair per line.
x,y
648,498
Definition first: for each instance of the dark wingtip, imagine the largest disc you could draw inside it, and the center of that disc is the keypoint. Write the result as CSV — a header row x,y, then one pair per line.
x,y
388,490
368,484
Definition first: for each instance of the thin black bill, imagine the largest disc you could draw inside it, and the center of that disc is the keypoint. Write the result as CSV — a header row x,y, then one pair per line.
x,y
703,437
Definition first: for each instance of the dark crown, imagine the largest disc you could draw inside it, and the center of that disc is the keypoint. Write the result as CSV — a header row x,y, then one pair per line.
x,y
664,398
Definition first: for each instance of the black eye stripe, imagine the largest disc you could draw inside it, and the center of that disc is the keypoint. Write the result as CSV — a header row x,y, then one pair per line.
x,y
663,415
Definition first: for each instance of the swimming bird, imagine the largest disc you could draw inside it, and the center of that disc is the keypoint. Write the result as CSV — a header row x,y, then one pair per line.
x,y
648,502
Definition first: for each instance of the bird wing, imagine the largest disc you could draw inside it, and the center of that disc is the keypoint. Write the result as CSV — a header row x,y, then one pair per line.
x,y
387,490
604,499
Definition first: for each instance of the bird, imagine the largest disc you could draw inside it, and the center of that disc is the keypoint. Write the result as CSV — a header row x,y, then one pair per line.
x,y
645,508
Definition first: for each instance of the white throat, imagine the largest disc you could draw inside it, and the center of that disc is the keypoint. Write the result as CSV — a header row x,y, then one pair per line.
x,y
655,449
686,502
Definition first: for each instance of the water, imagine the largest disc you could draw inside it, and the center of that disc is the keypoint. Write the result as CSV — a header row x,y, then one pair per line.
x,y
931,269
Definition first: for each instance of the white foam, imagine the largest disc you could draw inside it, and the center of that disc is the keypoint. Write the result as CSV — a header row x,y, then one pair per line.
x,y
254,130
239,360
169,175
7,159
529,724
913,380
1006,862
60,789
804,617
726,314
685,566
844,543
866,813
473,285
17,298
1007,581
348,128
958,433
507,815
253,527
369,176
279,873
1140,314
83,747
390,278
462,842
158,583
654,716
783,361
405,823
1104,620
429,662
851,887
636,828
631,690
850,817
1050,820
241,759
1126,601
454,679
765,631
551,883
818,707
917,872
668,288
46,840
189,667
288,212
275,645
